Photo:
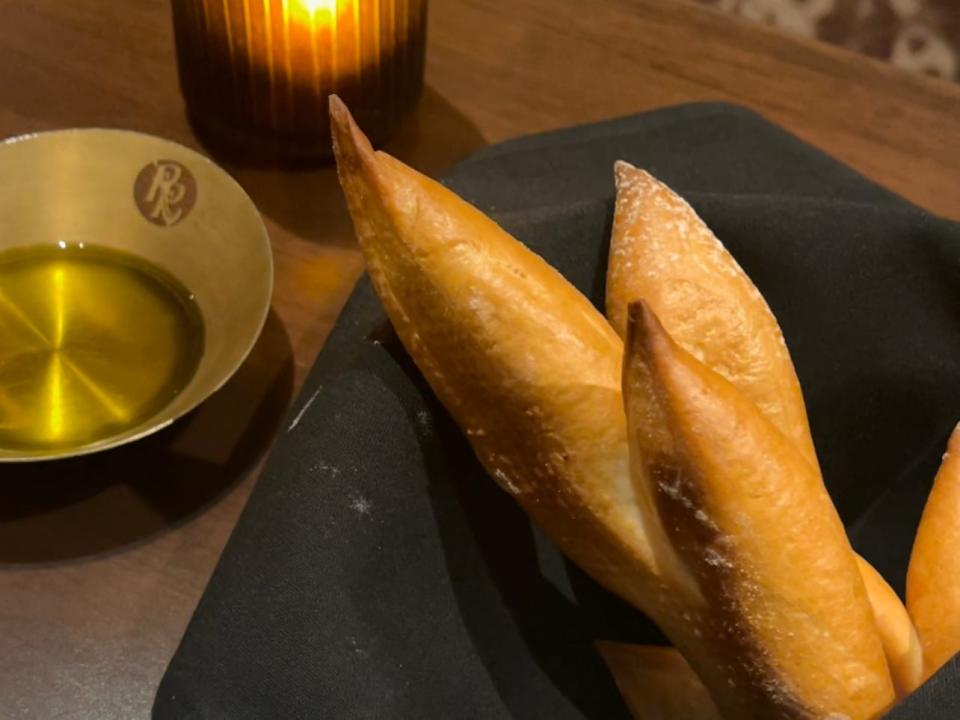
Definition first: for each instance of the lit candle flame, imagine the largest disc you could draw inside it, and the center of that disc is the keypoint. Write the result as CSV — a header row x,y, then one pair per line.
x,y
315,13
317,6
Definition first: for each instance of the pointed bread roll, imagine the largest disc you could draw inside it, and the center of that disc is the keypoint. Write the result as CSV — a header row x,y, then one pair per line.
x,y
933,577
523,362
750,516
663,253
531,373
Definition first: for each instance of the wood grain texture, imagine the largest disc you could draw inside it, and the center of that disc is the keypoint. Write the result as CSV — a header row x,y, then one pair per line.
x,y
102,562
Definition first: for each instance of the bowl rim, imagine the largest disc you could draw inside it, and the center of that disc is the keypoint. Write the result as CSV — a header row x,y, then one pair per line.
x,y
119,440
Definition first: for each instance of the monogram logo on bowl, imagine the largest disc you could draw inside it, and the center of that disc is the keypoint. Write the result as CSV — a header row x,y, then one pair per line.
x,y
165,191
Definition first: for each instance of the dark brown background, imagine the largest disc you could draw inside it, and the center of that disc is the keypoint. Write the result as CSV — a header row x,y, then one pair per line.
x,y
102,561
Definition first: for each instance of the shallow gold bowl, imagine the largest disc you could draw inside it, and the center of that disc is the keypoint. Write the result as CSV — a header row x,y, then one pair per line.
x,y
161,203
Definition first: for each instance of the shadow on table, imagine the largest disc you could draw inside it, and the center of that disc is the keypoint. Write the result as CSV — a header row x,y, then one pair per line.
x,y
309,202
57,511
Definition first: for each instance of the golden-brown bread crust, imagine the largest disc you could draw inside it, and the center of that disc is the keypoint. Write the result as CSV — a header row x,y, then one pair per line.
x,y
901,643
652,681
523,362
545,417
663,253
529,371
933,577
657,683
750,516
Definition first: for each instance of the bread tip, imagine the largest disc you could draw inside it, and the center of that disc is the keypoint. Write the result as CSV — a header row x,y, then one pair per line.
x,y
623,172
340,121
351,148
622,167
637,310
338,108
628,175
953,444
642,322
647,340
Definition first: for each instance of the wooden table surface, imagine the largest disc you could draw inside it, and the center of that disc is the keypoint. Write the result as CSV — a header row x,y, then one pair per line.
x,y
103,561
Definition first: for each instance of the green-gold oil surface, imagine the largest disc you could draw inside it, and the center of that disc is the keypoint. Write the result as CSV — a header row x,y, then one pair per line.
x,y
93,342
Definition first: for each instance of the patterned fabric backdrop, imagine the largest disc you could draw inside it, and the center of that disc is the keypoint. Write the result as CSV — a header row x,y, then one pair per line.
x,y
918,35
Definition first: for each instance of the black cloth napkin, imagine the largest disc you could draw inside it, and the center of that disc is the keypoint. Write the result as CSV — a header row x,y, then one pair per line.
x,y
378,573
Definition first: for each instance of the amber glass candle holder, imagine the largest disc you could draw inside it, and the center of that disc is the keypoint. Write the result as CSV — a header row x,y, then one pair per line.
x,y
256,74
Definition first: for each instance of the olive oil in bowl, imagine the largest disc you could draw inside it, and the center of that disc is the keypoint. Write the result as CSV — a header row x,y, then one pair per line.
x,y
93,342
